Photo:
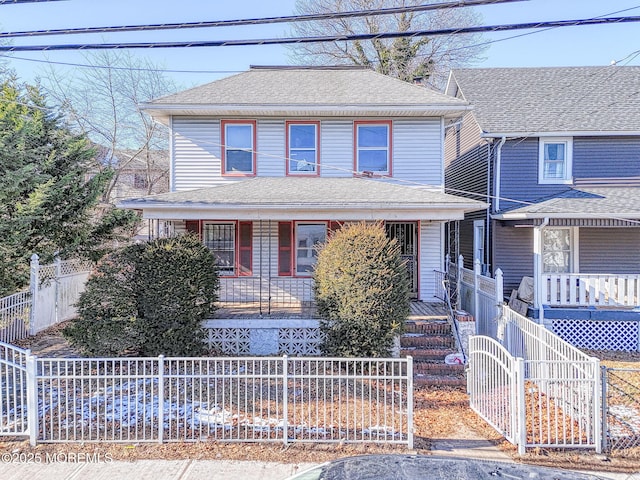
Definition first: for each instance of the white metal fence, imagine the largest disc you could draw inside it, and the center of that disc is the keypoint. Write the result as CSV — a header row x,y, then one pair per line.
x,y
535,388
479,295
54,289
256,399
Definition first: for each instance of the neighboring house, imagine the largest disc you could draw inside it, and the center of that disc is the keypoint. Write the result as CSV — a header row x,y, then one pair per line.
x,y
266,163
138,173
557,153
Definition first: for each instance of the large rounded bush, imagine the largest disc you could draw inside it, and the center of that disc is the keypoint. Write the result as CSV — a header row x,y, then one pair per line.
x,y
362,292
148,299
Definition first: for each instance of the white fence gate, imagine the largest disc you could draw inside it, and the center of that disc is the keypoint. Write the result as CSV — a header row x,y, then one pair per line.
x,y
14,396
535,388
54,290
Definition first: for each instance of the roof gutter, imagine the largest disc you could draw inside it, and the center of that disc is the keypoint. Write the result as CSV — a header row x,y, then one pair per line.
x,y
566,133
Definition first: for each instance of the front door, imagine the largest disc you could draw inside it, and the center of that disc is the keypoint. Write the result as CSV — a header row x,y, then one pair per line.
x,y
406,234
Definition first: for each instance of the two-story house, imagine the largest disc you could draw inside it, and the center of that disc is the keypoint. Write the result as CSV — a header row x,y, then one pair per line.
x,y
266,163
556,151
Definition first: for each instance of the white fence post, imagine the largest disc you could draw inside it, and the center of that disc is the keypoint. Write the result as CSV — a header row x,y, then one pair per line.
x,y
32,398
477,271
409,402
56,281
459,282
447,260
499,292
598,400
160,398
285,399
33,288
521,413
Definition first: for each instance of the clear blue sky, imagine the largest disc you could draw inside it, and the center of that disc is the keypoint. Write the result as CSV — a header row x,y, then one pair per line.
x,y
587,45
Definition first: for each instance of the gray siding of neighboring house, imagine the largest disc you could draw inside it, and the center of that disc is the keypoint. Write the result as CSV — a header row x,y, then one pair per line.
x,y
466,159
602,157
609,250
593,157
519,174
512,253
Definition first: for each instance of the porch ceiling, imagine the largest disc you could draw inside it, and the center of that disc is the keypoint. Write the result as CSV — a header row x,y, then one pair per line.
x,y
306,199
583,202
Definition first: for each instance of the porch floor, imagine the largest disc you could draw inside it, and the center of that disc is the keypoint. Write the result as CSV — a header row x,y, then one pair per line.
x,y
229,311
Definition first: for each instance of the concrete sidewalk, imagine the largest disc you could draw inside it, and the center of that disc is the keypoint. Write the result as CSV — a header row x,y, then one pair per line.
x,y
204,469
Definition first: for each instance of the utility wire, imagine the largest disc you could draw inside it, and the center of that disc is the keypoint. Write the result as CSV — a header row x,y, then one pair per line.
x,y
320,39
11,2
257,21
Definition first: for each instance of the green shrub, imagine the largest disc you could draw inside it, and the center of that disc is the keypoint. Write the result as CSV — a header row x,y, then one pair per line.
x,y
362,292
148,299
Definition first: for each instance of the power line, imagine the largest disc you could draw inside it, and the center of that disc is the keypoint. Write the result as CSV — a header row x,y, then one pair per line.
x,y
257,21
321,39
11,2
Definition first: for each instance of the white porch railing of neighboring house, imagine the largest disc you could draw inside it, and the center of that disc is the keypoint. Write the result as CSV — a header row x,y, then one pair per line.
x,y
590,290
249,399
535,388
54,290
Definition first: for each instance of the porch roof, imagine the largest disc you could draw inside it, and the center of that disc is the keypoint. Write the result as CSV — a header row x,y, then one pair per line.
x,y
306,199
614,202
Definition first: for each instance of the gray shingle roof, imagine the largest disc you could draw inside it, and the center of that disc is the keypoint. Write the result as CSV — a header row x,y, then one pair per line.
x,y
309,86
554,99
587,202
312,193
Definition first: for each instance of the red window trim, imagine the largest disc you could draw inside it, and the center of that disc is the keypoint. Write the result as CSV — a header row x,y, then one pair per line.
x,y
223,146
316,123
291,249
238,268
389,124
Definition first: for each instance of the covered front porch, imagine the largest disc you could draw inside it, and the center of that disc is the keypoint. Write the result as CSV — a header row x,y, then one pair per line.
x,y
585,251
264,231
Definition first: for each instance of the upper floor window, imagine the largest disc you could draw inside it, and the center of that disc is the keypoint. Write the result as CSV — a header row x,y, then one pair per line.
x,y
238,147
140,181
302,148
555,160
373,147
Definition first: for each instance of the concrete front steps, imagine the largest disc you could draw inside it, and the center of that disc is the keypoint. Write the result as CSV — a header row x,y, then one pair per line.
x,y
429,342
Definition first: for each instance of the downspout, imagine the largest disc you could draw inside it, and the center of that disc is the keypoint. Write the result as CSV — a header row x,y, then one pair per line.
x,y
497,174
488,250
537,269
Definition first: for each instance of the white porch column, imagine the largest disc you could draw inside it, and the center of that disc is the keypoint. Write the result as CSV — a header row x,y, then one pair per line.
x,y
537,269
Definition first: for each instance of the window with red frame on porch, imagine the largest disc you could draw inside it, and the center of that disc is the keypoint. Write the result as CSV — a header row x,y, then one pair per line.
x,y
230,242
298,246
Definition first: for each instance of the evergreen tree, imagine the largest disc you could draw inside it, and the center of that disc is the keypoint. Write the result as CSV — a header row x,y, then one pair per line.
x,y
47,200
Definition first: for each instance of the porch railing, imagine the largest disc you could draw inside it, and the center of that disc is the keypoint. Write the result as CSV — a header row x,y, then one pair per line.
x,y
578,289
266,294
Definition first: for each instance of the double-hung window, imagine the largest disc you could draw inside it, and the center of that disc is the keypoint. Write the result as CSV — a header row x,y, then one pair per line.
x,y
302,148
373,147
231,245
238,147
555,160
557,250
304,237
